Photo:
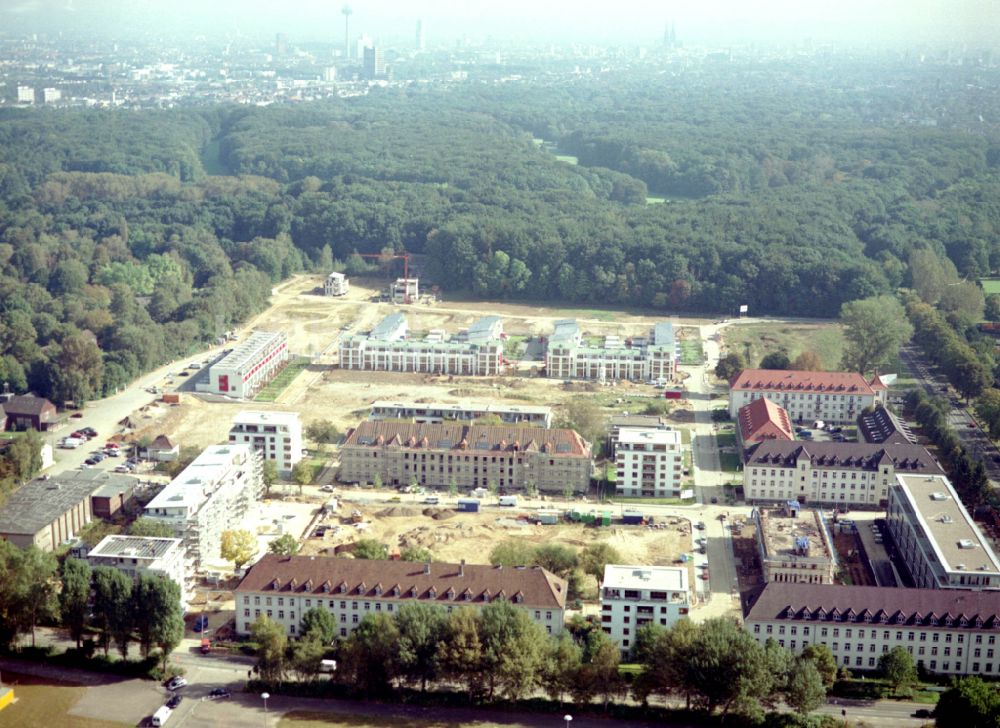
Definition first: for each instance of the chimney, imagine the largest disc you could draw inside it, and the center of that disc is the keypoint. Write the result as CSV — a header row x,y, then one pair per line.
x,y
427,568
461,568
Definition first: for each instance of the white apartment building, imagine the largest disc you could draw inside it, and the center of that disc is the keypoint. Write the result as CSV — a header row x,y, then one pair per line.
x,y
634,596
136,555
948,631
807,396
275,435
435,413
25,95
336,284
653,357
51,95
830,473
211,495
406,290
250,365
649,462
937,539
284,588
794,545
478,351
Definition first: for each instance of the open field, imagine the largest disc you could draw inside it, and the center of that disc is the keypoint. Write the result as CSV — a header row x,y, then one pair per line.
x,y
280,383
826,340
990,285
44,702
307,719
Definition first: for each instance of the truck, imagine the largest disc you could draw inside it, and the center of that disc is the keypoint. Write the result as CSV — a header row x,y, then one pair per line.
x,y
632,517
508,500
161,716
674,394
468,505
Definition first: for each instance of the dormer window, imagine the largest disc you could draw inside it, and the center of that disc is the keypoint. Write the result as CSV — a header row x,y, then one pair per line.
x,y
361,588
275,584
395,591
413,592
342,588
432,593
378,590
900,619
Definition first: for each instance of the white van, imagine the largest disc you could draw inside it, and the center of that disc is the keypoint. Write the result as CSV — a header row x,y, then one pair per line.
x,y
161,716
71,443
327,665
508,500
431,500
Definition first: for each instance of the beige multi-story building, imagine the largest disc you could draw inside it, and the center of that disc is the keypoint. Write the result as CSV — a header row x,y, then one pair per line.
x,y
211,495
470,456
249,366
936,538
651,358
794,545
336,284
808,396
477,351
136,555
276,436
649,462
947,631
830,473
283,588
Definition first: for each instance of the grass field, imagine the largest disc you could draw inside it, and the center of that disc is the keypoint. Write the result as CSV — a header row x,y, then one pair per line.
x,y
826,340
990,285
273,390
42,702
691,353
307,719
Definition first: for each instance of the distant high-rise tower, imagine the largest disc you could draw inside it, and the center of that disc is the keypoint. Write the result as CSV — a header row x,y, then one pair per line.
x,y
374,63
420,35
346,12
280,44
670,36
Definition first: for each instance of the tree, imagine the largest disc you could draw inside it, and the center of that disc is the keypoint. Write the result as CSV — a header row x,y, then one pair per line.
x,y
285,545
988,408
807,361
370,656
25,455
970,702
561,661
512,552
825,662
460,654
874,329
554,557
377,481
307,656
78,368
369,548
965,297
269,474
776,360
992,307
271,647
806,690
511,645
422,627
74,597
303,474
150,528
318,623
113,607
417,554
34,587
452,487
897,667
729,366
599,674
238,546
596,556
155,602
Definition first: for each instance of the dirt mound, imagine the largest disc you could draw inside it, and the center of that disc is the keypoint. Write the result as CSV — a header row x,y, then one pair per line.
x,y
439,514
398,512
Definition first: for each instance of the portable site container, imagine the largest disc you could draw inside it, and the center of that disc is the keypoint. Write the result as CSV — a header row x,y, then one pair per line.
x,y
604,519
548,517
632,517
587,518
468,505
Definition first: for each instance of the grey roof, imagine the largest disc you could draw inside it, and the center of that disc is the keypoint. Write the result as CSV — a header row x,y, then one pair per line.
x,y
565,329
387,326
36,504
663,334
842,455
26,404
484,325
882,426
115,486
140,547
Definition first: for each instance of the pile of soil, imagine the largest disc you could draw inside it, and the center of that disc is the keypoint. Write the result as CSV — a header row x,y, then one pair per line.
x,y
398,512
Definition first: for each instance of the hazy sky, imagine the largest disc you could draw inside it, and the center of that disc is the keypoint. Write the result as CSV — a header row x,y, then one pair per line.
x,y
708,22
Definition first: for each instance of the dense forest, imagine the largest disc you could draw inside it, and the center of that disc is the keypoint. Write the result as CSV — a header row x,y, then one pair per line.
x,y
790,188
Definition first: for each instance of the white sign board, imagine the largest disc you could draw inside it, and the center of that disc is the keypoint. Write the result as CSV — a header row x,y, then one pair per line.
x,y
744,308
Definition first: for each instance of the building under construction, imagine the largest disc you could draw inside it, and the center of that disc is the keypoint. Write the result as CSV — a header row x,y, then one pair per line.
x,y
795,545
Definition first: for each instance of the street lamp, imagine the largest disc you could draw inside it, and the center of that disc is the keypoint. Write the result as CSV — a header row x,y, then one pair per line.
x,y
568,718
265,696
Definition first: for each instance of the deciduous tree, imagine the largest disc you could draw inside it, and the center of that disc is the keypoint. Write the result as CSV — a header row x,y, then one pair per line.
x,y
596,556
897,667
272,645
875,329
238,546
285,545
74,597
422,627
369,548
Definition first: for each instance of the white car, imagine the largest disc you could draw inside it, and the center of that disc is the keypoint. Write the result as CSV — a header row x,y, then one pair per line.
x,y
176,683
327,488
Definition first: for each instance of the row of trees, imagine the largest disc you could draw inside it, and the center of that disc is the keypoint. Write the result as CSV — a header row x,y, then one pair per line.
x,y
968,368
967,473
563,561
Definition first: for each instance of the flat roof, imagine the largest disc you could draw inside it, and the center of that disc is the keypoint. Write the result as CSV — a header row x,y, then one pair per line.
x,y
134,547
657,435
388,326
465,407
663,334
248,349
784,537
565,329
260,417
185,490
37,503
668,578
950,529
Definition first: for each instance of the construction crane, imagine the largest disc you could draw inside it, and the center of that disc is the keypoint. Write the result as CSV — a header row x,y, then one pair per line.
x,y
406,268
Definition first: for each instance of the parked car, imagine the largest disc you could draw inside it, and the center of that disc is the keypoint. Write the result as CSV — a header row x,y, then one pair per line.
x,y
700,525
201,623
90,462
218,693
177,682
89,431
174,701
714,500
922,713
327,488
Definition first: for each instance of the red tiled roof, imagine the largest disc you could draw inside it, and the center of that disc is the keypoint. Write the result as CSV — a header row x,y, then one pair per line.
x,y
403,580
825,602
794,381
453,436
762,419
